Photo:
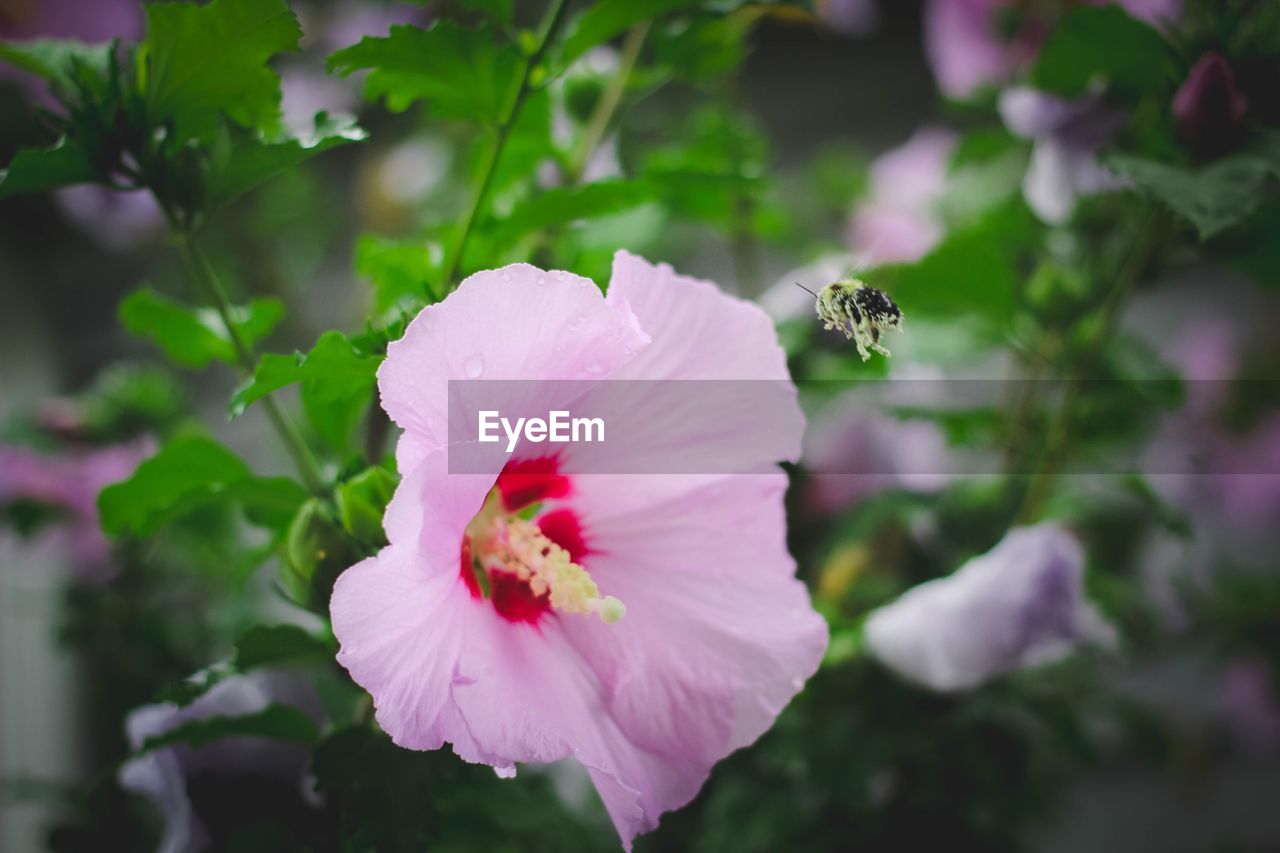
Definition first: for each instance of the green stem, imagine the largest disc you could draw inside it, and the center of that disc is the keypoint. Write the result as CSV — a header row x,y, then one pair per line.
x,y
206,280
1057,435
597,125
554,18
608,104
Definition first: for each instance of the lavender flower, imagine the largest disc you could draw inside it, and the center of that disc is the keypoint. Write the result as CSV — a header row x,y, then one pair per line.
x,y
70,483
897,221
1248,701
969,46
1067,136
849,17
116,221
853,452
161,775
1020,604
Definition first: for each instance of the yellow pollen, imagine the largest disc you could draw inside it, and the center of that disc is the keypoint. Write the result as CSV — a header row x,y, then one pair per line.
x,y
547,568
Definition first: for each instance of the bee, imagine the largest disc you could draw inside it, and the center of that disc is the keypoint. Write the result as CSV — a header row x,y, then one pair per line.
x,y
859,310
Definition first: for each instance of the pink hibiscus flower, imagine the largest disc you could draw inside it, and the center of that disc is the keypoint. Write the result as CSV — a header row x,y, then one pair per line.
x,y
645,625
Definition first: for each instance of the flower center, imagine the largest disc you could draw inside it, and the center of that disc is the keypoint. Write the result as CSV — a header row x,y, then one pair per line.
x,y
510,557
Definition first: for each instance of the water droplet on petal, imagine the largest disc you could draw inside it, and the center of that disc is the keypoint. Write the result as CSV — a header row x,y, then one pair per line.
x,y
595,368
474,366
506,276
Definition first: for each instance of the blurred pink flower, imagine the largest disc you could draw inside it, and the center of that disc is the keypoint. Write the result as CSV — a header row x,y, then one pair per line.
x,y
897,221
327,27
849,17
161,775
964,48
305,92
1227,481
1020,604
1068,134
70,482
717,636
853,452
969,49
116,221
82,20
1248,700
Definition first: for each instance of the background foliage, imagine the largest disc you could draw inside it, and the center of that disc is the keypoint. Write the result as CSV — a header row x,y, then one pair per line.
x,y
556,133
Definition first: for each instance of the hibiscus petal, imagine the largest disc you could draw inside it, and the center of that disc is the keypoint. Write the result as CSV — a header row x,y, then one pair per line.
x,y
517,322
719,635
398,624
741,415
698,331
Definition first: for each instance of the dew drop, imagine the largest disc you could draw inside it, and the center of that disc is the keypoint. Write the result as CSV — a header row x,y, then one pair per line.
x,y
506,276
474,366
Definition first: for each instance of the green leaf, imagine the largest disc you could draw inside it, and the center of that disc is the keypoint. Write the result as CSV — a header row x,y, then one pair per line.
x,y
195,336
362,501
268,502
1256,251
398,270
971,272
185,467
191,471
203,61
462,73
272,645
565,205
38,170
1095,42
337,370
1222,194
244,165
606,19
57,59
276,722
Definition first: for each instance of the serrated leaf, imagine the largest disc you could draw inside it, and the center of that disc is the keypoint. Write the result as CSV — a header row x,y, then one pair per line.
x,y
399,271
38,170
203,61
195,336
187,473
334,365
1222,194
56,59
248,163
565,205
461,73
1102,42
271,645
276,722
606,19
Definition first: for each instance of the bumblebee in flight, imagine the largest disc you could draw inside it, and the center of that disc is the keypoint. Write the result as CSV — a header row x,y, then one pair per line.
x,y
859,310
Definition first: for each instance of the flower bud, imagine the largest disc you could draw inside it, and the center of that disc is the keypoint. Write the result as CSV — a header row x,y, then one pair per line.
x,y
317,550
1210,108
362,500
